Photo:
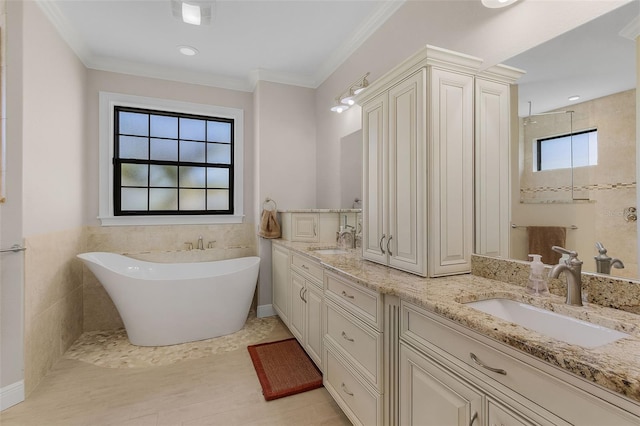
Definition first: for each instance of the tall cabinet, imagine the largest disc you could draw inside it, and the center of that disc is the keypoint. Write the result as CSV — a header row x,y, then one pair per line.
x,y
418,126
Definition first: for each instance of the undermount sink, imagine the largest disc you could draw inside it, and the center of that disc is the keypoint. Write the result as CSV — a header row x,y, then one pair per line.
x,y
331,251
551,324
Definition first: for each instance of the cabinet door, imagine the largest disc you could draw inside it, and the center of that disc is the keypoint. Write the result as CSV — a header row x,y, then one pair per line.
x,y
500,415
374,131
450,173
432,396
280,281
406,236
492,159
313,324
305,227
297,313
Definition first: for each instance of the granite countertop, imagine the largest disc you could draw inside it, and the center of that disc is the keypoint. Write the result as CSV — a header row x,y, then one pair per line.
x,y
615,366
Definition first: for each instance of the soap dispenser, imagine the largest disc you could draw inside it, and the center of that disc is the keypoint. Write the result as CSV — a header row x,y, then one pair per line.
x,y
537,284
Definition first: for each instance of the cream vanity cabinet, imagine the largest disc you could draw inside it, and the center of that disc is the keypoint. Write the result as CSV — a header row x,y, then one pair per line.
x,y
281,295
418,127
492,159
353,349
310,226
451,375
306,295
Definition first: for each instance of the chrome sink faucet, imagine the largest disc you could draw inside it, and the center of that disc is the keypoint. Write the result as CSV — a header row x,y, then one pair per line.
x,y
572,269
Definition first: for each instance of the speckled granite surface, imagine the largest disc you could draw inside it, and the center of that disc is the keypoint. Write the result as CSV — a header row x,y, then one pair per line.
x,y
615,366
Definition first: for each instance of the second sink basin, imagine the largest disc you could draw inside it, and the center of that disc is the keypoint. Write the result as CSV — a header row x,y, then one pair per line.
x,y
557,326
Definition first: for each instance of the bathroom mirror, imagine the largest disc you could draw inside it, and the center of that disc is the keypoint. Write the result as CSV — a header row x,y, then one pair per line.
x,y
351,171
597,63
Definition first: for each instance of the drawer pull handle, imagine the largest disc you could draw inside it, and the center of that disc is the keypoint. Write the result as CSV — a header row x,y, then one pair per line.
x,y
473,418
388,248
347,338
305,267
345,390
348,296
380,244
495,370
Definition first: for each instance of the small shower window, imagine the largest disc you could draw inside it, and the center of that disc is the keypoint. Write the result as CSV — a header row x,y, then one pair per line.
x,y
168,163
566,151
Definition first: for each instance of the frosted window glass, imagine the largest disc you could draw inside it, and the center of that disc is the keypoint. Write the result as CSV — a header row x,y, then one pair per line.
x,y
192,199
163,176
134,147
217,199
163,199
134,175
192,129
218,132
218,153
192,151
217,178
162,149
132,123
133,199
193,177
164,127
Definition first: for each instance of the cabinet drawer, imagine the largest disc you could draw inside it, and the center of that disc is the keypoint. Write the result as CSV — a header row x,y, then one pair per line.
x,y
361,345
425,329
364,304
360,403
307,267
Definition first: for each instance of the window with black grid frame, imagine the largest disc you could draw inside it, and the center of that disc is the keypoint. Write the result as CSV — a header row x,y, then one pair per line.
x,y
168,163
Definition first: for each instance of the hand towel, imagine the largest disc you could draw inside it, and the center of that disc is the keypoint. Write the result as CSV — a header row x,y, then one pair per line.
x,y
269,226
542,238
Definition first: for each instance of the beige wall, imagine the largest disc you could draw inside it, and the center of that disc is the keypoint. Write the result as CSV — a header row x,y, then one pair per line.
x,y
610,186
53,140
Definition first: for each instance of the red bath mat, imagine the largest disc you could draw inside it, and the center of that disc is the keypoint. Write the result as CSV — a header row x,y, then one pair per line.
x,y
284,368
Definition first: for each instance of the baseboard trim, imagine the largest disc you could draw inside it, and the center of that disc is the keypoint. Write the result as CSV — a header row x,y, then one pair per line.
x,y
11,395
265,311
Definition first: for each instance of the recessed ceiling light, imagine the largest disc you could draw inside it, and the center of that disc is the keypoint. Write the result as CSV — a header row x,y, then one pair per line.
x,y
574,98
494,4
188,50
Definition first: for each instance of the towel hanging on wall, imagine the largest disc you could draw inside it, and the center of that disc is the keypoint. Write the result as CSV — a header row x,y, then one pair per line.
x,y
269,226
542,238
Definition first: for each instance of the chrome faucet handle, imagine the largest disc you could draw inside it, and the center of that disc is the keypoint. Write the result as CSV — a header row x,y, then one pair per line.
x,y
573,255
601,248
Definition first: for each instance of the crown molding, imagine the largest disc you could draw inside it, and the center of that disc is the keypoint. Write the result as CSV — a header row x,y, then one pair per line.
x,y
632,29
370,26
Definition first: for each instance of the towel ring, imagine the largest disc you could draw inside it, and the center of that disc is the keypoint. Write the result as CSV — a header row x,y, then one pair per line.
x,y
267,203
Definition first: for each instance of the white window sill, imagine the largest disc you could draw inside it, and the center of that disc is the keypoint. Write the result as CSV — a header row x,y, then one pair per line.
x,y
168,220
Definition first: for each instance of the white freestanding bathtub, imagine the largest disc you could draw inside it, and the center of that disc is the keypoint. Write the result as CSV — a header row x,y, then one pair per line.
x,y
169,303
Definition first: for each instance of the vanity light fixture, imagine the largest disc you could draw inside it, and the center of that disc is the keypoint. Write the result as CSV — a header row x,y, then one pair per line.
x,y
194,12
574,98
496,4
346,99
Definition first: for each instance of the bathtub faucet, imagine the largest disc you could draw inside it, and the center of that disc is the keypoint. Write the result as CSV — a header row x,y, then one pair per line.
x,y
200,243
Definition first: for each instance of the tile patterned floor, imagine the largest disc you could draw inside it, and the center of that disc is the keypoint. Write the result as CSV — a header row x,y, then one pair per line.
x,y
110,382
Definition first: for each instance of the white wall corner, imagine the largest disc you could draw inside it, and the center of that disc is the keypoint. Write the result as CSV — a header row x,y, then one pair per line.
x,y
11,395
265,311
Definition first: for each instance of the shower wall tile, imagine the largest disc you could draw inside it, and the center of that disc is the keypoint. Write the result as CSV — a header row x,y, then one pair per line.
x,y
164,244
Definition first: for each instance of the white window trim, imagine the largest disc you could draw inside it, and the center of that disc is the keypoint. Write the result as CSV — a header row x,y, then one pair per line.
x,y
107,102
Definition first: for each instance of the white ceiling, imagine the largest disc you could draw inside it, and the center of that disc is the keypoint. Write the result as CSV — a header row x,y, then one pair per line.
x,y
302,42
296,42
